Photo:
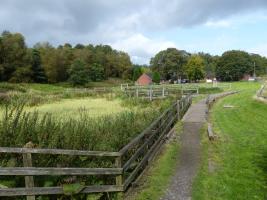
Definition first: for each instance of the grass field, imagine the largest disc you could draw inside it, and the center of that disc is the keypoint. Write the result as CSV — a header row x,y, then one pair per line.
x,y
95,107
235,165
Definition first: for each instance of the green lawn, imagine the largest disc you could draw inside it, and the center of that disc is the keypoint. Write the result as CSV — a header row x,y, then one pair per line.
x,y
158,177
71,107
235,165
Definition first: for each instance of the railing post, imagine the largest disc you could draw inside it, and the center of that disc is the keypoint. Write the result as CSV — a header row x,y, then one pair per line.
x,y
150,95
27,162
178,109
119,178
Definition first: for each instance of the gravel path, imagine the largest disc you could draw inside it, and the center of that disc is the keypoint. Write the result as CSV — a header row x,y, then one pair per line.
x,y
189,158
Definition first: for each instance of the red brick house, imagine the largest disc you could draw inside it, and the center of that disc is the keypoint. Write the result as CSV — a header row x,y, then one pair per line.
x,y
144,79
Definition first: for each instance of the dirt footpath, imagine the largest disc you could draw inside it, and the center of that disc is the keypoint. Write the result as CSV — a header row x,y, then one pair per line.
x,y
189,158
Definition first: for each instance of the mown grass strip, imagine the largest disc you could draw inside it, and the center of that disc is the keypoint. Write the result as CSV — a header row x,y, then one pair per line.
x,y
159,175
235,165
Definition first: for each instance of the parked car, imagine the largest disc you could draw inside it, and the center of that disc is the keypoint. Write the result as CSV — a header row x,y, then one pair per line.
x,y
184,81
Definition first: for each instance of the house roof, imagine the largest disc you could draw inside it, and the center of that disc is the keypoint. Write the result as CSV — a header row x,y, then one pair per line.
x,y
146,76
144,79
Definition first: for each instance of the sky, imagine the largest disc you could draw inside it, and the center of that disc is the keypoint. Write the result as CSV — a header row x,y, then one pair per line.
x,y
142,27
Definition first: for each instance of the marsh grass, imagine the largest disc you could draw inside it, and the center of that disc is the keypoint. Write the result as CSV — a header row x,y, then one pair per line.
x,y
108,132
84,132
94,107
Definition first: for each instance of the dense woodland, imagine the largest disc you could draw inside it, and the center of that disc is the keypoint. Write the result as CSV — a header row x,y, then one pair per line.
x,y
80,64
45,63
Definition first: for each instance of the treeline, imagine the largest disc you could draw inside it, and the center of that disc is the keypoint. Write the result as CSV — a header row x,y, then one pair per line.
x,y
84,63
173,64
45,63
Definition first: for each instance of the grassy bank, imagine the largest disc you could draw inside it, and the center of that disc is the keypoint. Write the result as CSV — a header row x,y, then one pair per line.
x,y
235,165
158,176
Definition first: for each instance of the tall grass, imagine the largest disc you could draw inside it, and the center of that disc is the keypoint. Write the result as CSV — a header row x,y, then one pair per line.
x,y
111,132
106,133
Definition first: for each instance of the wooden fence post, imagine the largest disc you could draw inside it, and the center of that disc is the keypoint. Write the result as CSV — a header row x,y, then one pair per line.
x,y
27,162
178,109
150,94
119,178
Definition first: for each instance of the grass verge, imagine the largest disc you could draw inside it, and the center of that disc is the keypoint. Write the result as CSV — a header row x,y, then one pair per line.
x,y
235,165
158,176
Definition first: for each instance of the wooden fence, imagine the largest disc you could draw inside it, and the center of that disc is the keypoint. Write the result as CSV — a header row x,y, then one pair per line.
x,y
157,92
129,162
179,86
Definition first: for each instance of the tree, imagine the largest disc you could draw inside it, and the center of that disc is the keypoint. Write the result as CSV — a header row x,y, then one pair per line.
x,y
260,64
22,75
195,68
79,74
233,65
210,64
137,72
37,69
14,55
170,63
156,77
96,72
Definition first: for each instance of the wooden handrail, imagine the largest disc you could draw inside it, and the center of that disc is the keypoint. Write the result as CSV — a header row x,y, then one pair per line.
x,y
59,152
41,171
9,192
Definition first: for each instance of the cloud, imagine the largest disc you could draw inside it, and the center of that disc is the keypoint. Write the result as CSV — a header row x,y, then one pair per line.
x,y
218,24
117,22
260,49
142,48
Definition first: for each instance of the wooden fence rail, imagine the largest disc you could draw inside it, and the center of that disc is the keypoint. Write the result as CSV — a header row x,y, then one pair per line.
x,y
158,92
129,162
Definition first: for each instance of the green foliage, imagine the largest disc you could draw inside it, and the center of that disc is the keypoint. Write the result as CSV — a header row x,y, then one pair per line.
x,y
22,75
137,73
82,132
233,65
156,77
47,63
79,74
38,71
97,72
169,63
15,57
71,189
195,68
210,64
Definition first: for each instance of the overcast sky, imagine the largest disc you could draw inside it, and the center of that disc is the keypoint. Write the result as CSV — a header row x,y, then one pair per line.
x,y
142,27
